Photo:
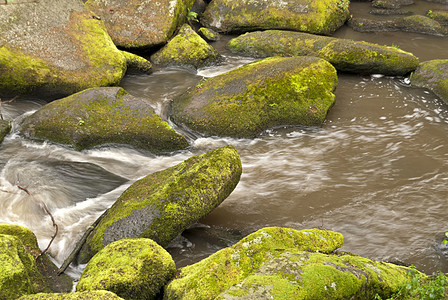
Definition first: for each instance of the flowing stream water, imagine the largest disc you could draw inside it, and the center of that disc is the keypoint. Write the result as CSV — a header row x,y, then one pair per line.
x,y
376,171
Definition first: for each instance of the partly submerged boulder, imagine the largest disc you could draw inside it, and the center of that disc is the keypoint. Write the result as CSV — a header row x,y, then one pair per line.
x,y
20,272
131,268
345,55
141,24
137,63
89,295
103,116
55,48
271,92
5,128
282,263
186,49
163,204
432,74
315,16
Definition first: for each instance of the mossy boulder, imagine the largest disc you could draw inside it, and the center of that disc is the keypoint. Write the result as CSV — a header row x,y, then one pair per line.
x,y
20,273
131,268
271,92
163,204
282,263
345,55
55,49
440,16
236,16
415,23
5,128
89,295
209,34
141,24
137,63
186,49
101,116
433,75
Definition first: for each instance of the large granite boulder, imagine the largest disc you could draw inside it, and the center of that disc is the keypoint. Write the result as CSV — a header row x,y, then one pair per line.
x,y
314,16
131,268
271,92
141,24
20,272
345,55
100,116
433,75
282,263
89,295
163,204
55,48
187,49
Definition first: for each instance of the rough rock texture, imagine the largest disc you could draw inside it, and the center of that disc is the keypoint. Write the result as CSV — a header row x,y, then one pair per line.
x,y
236,16
20,273
141,24
440,16
55,48
271,92
208,34
186,49
433,74
281,263
345,55
131,268
137,63
419,24
103,116
5,128
390,4
90,295
163,204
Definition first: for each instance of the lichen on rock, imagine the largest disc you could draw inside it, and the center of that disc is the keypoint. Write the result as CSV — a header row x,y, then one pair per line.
x,y
345,55
101,116
89,295
271,92
131,268
186,49
163,204
433,75
137,63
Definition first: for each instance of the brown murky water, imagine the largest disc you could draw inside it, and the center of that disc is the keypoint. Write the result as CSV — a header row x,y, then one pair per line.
x,y
377,171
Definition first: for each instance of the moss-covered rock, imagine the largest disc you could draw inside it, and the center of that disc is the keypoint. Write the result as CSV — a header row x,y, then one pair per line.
x,y
20,273
103,116
141,24
186,49
433,75
440,16
131,268
163,204
137,63
415,23
271,92
236,16
5,128
345,55
62,51
89,295
282,263
208,34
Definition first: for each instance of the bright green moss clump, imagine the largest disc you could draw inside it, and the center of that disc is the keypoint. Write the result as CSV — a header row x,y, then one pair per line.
x,y
272,92
137,63
131,268
433,74
90,295
163,204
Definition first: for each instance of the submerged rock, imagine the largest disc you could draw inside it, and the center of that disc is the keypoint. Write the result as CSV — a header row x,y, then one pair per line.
x,y
90,295
20,273
163,204
432,74
103,116
186,49
282,263
141,24
5,128
315,16
418,24
345,55
55,49
272,92
137,63
131,268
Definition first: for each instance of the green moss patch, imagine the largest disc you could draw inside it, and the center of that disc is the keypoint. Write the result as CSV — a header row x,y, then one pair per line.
x,y
433,75
89,295
137,63
5,128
